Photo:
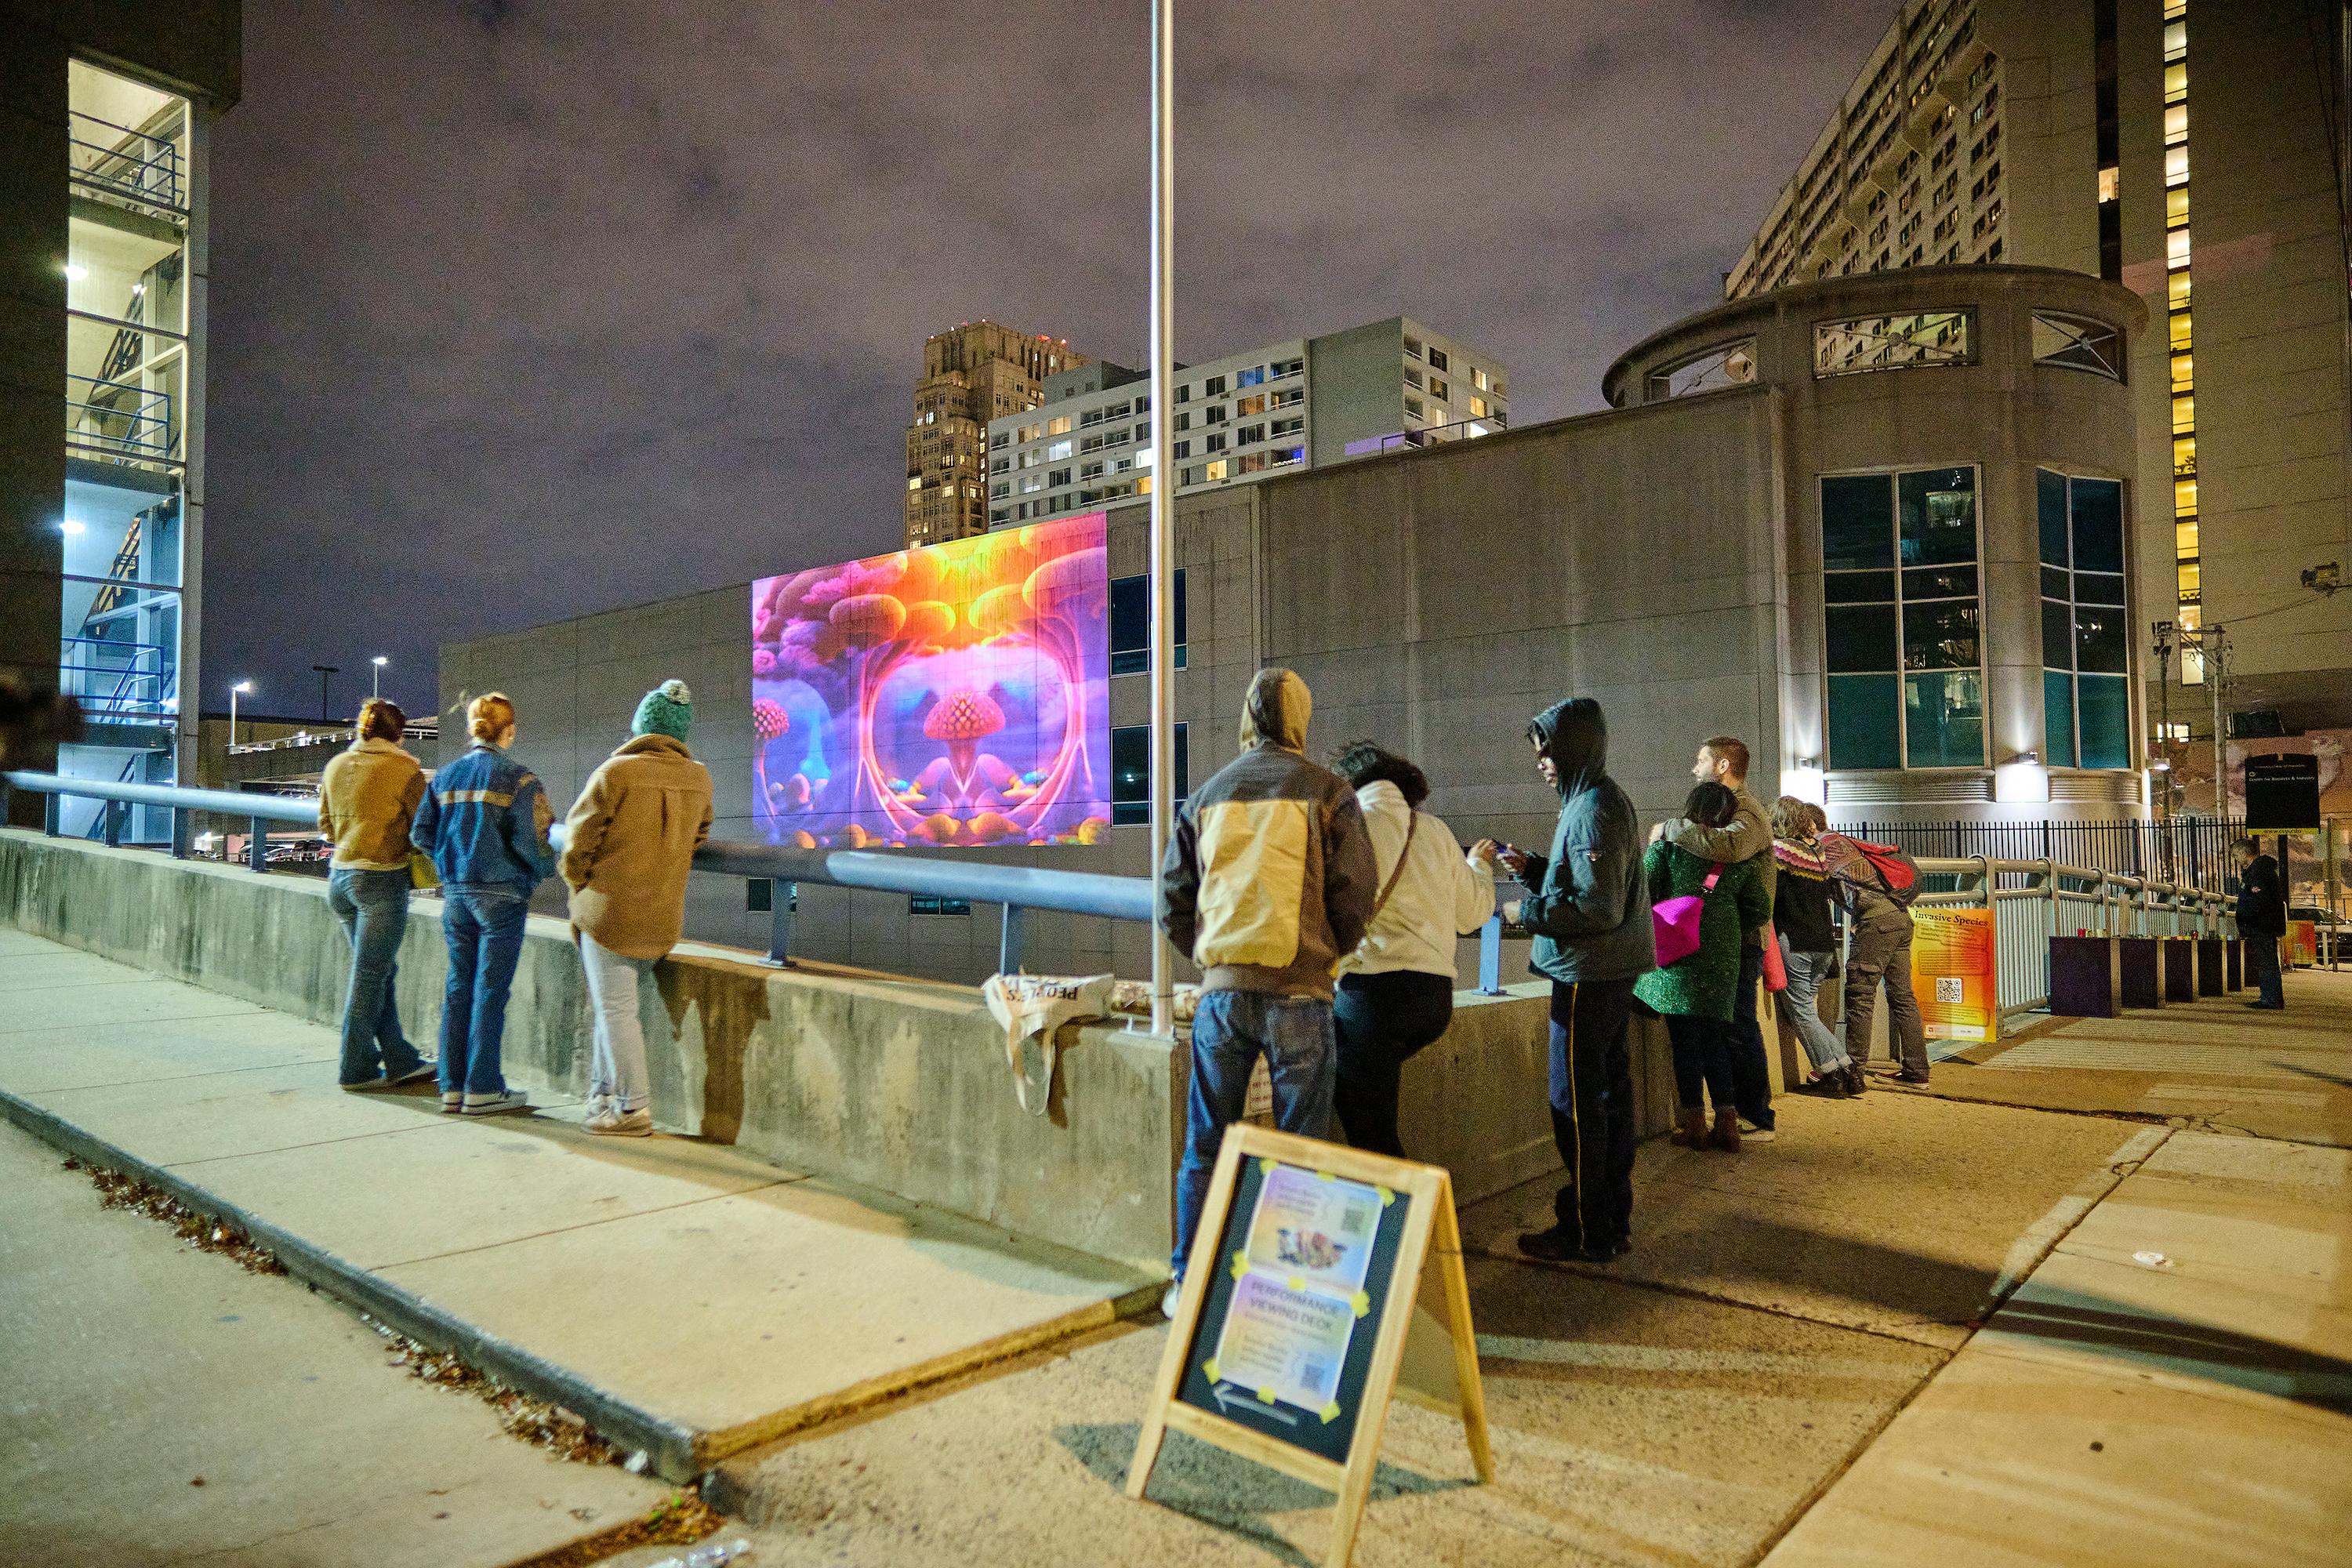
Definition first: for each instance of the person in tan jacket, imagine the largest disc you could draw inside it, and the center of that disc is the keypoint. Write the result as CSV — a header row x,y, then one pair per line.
x,y
628,845
367,798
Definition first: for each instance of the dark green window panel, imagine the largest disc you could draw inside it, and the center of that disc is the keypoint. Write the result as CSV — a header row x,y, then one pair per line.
x,y
2102,640
1939,516
2106,720
1130,772
1858,522
1942,635
2057,634
2058,717
2098,525
1859,587
1861,637
2050,508
1940,583
2057,583
1864,722
1130,623
1944,718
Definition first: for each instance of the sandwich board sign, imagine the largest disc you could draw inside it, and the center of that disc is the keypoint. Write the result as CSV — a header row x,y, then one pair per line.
x,y
1324,1281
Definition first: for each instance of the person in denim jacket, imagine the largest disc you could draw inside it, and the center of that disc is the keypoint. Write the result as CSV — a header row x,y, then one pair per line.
x,y
484,822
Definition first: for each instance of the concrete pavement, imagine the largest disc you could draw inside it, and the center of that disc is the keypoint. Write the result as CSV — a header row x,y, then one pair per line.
x,y
160,1406
689,1299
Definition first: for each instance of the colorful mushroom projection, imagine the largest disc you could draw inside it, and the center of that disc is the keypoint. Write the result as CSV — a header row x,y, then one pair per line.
x,y
955,695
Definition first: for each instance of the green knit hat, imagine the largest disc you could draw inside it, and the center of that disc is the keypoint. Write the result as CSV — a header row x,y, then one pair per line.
x,y
667,709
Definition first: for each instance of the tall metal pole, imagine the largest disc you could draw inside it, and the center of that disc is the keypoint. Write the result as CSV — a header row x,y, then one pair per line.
x,y
1163,483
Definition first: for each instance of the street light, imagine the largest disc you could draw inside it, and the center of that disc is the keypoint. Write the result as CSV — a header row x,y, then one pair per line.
x,y
379,661
242,689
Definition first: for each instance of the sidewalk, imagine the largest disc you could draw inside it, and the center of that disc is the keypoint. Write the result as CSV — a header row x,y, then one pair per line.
x,y
689,1301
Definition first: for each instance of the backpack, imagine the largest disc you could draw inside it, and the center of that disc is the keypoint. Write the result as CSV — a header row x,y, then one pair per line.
x,y
1886,866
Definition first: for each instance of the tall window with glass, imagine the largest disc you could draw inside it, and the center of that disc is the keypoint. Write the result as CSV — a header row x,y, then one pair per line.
x,y
2085,623
1903,619
130,201
2189,562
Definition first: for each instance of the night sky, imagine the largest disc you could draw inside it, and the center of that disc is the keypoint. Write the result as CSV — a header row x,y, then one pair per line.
x,y
524,309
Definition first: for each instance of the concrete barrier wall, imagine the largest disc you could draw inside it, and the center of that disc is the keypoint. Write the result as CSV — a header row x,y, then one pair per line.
x,y
900,1084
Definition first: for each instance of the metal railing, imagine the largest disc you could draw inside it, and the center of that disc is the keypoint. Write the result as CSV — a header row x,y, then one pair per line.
x,y
2033,900
2190,850
118,417
1017,888
123,161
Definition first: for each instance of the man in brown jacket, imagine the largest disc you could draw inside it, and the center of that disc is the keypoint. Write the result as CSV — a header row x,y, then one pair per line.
x,y
367,798
628,845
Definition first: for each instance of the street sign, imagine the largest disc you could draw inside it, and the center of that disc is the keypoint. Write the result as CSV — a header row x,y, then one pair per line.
x,y
2282,793
1313,1299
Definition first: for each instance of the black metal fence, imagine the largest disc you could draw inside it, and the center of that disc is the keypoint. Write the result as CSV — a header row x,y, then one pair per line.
x,y
2190,851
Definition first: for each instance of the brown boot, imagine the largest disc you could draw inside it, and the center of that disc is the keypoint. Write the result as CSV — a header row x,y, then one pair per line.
x,y
1854,1082
1692,1133
1725,1136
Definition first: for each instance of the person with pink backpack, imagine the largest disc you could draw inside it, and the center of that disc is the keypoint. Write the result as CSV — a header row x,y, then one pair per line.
x,y
1701,909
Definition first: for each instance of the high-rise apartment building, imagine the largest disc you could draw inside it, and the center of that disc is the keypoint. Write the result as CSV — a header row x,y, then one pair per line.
x,y
102,205
1300,402
2065,133
971,374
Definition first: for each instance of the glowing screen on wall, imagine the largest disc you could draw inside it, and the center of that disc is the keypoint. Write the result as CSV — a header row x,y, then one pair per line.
x,y
957,694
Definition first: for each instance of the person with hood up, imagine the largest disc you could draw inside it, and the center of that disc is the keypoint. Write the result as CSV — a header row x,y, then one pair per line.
x,y
1396,989
2261,924
1267,882
628,844
1590,912
368,797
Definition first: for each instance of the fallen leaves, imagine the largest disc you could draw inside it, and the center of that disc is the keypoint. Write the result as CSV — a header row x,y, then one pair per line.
x,y
679,1519
534,1421
203,1232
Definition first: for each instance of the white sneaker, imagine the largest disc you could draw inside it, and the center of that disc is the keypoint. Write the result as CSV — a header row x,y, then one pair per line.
x,y
504,1102
612,1122
1171,1300
1751,1134
453,1101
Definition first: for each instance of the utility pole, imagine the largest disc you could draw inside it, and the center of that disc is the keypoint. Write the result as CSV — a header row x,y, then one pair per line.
x,y
323,671
2164,630
2217,667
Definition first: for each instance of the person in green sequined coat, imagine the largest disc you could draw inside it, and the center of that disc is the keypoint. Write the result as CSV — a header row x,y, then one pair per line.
x,y
1696,996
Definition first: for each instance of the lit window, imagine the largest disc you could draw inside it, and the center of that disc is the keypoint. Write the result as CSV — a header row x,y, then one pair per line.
x,y
2184,496
1437,388
2180,328
1219,468
914,481
2176,165
1478,377
2176,205
1059,449
2184,540
2175,125
2184,413
2184,453
1060,427
2111,181
2184,371
1437,414
1477,409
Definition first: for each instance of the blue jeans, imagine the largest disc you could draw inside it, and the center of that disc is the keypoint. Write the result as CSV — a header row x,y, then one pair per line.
x,y
484,925
1230,1031
1799,1004
373,909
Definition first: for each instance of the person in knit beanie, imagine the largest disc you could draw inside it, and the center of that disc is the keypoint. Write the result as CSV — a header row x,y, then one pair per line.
x,y
628,845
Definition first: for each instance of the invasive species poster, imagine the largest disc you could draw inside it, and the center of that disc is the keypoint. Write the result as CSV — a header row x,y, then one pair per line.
x,y
1954,972
1325,1281
953,695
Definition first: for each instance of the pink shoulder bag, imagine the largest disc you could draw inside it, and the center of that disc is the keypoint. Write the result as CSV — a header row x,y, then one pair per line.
x,y
1675,920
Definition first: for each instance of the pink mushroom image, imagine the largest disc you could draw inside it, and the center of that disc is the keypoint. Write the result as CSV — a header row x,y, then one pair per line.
x,y
769,722
956,694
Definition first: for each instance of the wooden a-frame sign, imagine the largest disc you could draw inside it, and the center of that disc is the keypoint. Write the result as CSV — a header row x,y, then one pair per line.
x,y
1273,1302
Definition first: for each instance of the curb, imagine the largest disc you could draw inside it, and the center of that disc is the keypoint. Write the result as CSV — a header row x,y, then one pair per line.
x,y
674,1452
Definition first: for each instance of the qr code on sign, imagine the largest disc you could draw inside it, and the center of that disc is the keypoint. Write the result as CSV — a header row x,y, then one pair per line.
x,y
1948,988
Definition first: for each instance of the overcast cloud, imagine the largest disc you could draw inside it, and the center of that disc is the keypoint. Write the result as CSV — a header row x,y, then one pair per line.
x,y
523,308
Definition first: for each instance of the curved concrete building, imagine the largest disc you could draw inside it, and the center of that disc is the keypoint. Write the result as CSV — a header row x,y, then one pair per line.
x,y
1955,455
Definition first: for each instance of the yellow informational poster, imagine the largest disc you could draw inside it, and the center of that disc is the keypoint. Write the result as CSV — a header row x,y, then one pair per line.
x,y
1953,972
2302,941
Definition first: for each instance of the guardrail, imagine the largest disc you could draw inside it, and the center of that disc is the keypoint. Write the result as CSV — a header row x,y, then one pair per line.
x,y
1017,888
2033,900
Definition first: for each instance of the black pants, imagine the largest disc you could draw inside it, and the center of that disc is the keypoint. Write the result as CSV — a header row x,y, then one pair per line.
x,y
2261,950
1592,1109
1382,1020
1751,1077
1702,1061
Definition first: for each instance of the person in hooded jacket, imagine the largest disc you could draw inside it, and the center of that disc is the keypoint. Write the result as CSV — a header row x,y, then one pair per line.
x,y
1590,913
1396,989
1267,882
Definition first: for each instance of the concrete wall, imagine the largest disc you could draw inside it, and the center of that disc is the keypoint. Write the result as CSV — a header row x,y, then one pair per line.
x,y
901,1085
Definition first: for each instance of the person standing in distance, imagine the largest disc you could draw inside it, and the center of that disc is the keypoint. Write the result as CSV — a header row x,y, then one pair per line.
x,y
1590,912
1267,882
627,847
2262,922
1723,759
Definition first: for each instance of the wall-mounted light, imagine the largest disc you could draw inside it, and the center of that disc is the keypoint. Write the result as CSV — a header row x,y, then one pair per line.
x,y
75,274
70,527
2029,756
